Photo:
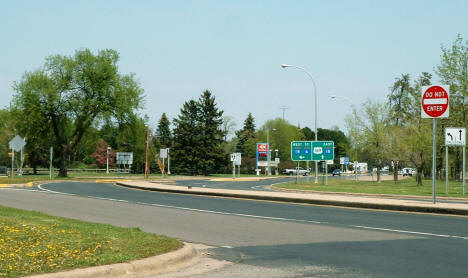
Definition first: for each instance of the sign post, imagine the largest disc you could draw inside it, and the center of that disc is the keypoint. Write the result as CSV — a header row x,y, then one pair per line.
x,y
51,158
455,136
434,104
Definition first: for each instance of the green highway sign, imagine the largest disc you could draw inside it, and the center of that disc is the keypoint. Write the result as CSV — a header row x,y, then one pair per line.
x,y
323,150
301,150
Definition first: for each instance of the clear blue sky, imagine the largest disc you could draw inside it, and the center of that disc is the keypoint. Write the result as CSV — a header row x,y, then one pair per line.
x,y
177,49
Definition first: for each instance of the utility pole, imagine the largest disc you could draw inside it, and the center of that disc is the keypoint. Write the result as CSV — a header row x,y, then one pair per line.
x,y
147,152
284,108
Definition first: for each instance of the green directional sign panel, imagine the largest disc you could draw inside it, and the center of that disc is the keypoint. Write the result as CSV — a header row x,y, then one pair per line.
x,y
301,150
323,150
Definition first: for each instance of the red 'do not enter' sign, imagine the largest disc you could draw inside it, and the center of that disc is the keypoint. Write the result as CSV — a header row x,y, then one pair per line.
x,y
435,101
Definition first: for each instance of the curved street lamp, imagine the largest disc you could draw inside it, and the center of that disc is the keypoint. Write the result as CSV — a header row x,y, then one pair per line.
x,y
315,93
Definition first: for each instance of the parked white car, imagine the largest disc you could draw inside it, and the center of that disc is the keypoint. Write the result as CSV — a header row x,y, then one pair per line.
x,y
296,171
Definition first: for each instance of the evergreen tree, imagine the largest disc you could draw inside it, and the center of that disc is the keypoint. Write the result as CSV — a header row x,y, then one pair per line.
x,y
246,133
198,137
186,146
400,100
212,134
164,132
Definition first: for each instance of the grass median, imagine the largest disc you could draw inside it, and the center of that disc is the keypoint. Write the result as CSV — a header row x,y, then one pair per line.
x,y
407,186
33,243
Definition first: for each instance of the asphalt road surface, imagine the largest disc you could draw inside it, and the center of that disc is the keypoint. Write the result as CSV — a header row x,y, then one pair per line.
x,y
270,239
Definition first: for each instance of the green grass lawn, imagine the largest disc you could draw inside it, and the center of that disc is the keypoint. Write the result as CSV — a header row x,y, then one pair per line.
x,y
89,175
402,187
32,243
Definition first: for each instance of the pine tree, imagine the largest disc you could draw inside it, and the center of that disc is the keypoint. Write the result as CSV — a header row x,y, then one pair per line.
x,y
212,134
246,133
186,146
164,132
198,137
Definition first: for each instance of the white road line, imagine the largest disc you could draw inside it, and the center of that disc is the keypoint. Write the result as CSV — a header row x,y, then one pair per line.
x,y
20,189
54,192
267,217
406,232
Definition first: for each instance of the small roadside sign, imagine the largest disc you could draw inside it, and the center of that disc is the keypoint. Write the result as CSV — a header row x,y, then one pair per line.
x,y
17,143
163,153
455,136
236,158
435,101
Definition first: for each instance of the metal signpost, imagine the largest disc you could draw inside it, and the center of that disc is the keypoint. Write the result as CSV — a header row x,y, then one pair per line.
x,y
435,101
51,159
454,136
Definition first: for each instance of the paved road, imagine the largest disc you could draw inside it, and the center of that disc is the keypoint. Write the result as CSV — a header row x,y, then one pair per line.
x,y
269,239
245,185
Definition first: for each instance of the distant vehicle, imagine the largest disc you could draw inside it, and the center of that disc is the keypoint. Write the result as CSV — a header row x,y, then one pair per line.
x,y
408,171
336,172
296,171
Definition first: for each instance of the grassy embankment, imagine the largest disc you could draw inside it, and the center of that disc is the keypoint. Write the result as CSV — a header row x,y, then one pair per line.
x,y
406,186
32,243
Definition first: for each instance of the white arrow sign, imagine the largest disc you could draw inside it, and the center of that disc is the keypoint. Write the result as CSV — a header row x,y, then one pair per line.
x,y
455,136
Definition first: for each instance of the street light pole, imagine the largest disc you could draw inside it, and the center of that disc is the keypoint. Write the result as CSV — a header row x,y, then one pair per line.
x,y
334,97
315,93
147,153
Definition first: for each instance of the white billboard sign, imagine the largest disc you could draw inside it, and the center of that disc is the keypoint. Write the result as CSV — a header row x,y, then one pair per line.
x,y
163,153
124,158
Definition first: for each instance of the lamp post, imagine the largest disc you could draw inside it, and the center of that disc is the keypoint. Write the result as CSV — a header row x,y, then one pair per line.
x,y
147,170
334,97
107,160
315,93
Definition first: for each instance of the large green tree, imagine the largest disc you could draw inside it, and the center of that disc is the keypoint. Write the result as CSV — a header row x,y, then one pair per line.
x,y
69,93
186,146
369,131
212,134
199,137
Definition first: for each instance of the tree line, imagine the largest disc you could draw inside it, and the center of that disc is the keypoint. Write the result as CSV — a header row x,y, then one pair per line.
x,y
83,107
393,133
